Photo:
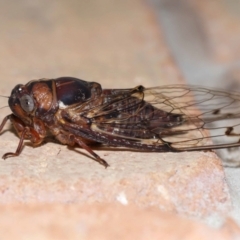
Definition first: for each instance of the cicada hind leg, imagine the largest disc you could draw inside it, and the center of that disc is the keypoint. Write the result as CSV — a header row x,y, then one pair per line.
x,y
71,140
87,148
23,132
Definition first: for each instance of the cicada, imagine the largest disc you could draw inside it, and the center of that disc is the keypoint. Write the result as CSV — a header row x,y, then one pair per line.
x,y
159,119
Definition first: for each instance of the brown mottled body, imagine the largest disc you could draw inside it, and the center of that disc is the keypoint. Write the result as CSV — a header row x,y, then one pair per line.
x,y
155,119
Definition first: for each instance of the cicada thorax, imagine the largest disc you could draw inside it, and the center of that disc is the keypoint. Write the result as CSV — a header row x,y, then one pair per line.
x,y
48,95
70,91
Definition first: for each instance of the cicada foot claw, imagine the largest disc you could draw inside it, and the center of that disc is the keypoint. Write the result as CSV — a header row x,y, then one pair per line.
x,y
102,162
8,155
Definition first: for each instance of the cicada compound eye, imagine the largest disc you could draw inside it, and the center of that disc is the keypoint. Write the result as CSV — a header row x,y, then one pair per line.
x,y
27,103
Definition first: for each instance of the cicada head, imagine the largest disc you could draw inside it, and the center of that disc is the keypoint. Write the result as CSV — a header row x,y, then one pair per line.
x,y
21,103
35,99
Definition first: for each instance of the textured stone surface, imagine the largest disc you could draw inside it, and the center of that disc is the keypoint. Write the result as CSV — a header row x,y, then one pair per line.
x,y
191,184
117,43
101,221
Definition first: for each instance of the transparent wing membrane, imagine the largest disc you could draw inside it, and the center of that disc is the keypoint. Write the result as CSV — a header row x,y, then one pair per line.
x,y
183,117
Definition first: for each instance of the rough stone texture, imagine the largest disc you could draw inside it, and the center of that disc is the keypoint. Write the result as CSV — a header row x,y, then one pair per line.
x,y
101,221
117,43
185,184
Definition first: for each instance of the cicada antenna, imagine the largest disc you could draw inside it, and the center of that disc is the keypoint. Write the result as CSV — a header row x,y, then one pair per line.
x,y
4,97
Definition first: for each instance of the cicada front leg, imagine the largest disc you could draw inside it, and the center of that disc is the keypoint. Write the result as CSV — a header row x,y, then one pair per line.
x,y
24,132
4,121
19,148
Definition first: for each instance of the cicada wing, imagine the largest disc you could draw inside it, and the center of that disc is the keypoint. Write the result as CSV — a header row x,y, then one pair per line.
x,y
184,117
210,115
